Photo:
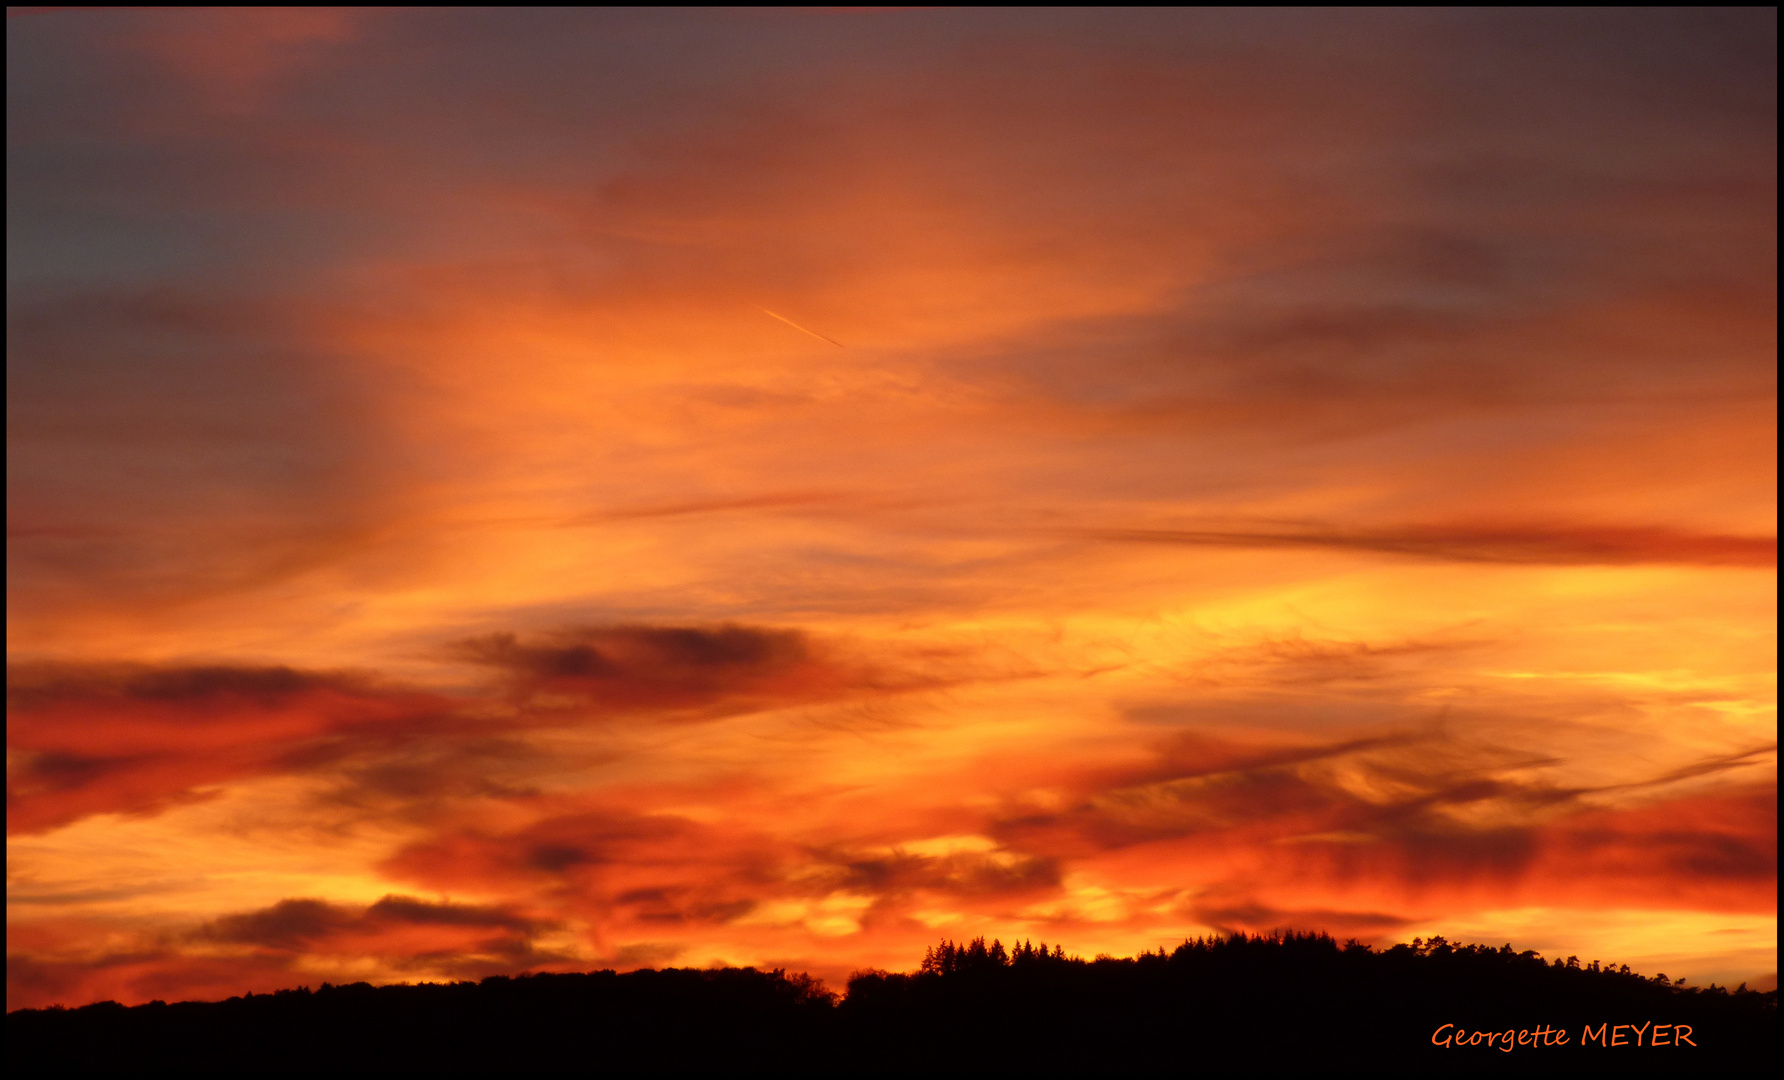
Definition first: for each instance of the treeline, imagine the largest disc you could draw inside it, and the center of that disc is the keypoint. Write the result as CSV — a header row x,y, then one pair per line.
x,y
1304,1001
1270,1002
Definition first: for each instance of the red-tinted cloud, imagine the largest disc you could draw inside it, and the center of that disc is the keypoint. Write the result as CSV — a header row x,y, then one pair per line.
x,y
1440,830
122,739
402,931
690,670
269,949
1379,401
1557,545
88,739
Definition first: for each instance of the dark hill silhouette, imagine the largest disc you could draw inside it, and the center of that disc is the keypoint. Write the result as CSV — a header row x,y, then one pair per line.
x,y
1274,1002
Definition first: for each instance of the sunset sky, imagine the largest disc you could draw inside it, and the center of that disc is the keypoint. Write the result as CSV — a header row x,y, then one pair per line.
x,y
523,490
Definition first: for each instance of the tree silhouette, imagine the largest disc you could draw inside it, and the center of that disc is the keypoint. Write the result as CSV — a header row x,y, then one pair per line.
x,y
1276,1001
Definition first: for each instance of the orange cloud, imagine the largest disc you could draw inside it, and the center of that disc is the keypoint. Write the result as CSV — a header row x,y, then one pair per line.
x,y
1559,545
275,946
122,739
137,739
1280,471
629,668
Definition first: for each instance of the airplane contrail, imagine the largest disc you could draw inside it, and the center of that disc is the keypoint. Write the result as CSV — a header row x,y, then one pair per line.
x,y
799,328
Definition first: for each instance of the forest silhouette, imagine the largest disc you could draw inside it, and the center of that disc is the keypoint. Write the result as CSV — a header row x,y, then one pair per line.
x,y
1295,1001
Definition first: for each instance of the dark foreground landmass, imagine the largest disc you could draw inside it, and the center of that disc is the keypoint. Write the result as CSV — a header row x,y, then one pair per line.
x,y
1301,1002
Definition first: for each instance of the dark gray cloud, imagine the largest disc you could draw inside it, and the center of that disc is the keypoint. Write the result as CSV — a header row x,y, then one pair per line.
x,y
306,924
1421,811
965,874
287,924
410,934
1256,918
627,669
681,904
606,653
1394,227
172,442
1448,275
37,686
138,738
1558,544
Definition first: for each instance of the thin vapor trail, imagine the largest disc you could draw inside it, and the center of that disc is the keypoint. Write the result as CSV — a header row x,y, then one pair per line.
x,y
799,328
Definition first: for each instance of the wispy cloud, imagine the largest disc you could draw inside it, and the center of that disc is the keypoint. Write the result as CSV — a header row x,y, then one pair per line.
x,y
1555,545
1284,469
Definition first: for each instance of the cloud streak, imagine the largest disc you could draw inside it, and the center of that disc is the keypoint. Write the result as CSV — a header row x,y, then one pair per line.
x,y
140,739
1312,469
1541,545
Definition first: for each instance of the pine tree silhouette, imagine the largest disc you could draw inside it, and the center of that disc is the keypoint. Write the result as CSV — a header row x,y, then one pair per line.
x,y
1274,1001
